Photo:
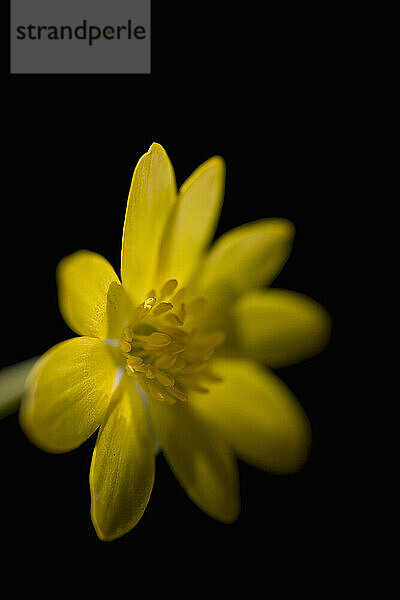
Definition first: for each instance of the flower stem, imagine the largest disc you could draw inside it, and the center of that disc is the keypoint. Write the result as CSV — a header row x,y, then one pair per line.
x,y
12,383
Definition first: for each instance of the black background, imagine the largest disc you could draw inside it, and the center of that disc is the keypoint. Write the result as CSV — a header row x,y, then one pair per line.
x,y
261,91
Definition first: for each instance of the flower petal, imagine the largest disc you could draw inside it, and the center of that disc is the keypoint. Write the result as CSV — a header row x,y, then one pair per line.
x,y
278,327
67,394
12,383
122,469
245,257
151,197
199,457
90,295
258,415
193,221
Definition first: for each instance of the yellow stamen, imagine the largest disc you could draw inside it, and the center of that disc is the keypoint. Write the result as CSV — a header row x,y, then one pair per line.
x,y
127,334
168,288
179,365
125,346
165,361
178,394
194,367
165,356
182,312
135,361
211,376
178,298
175,348
156,391
178,335
158,339
140,312
198,388
150,372
173,319
129,370
150,302
162,308
141,368
165,378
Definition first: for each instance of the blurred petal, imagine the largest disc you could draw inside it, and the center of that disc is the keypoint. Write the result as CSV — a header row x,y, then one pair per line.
x,y
151,197
90,295
245,257
67,394
122,469
199,457
12,385
278,327
193,221
258,415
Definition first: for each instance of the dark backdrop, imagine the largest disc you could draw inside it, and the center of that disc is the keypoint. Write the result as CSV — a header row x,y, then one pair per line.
x,y
258,90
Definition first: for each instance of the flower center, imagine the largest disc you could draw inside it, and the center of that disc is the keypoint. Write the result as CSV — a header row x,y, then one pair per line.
x,y
162,348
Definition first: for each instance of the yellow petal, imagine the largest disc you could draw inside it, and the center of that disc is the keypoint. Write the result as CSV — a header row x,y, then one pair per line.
x,y
12,384
278,327
90,295
258,415
151,197
122,469
67,394
199,457
245,257
193,221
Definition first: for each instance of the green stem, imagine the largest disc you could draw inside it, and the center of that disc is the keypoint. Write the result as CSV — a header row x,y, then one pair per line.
x,y
12,383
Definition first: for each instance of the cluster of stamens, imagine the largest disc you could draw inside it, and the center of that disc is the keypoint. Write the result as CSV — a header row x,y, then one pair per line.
x,y
164,351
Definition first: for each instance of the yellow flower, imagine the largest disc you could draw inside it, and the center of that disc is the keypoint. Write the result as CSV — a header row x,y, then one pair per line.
x,y
171,357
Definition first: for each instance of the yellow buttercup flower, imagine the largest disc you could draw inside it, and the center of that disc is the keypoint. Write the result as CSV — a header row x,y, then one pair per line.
x,y
173,356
